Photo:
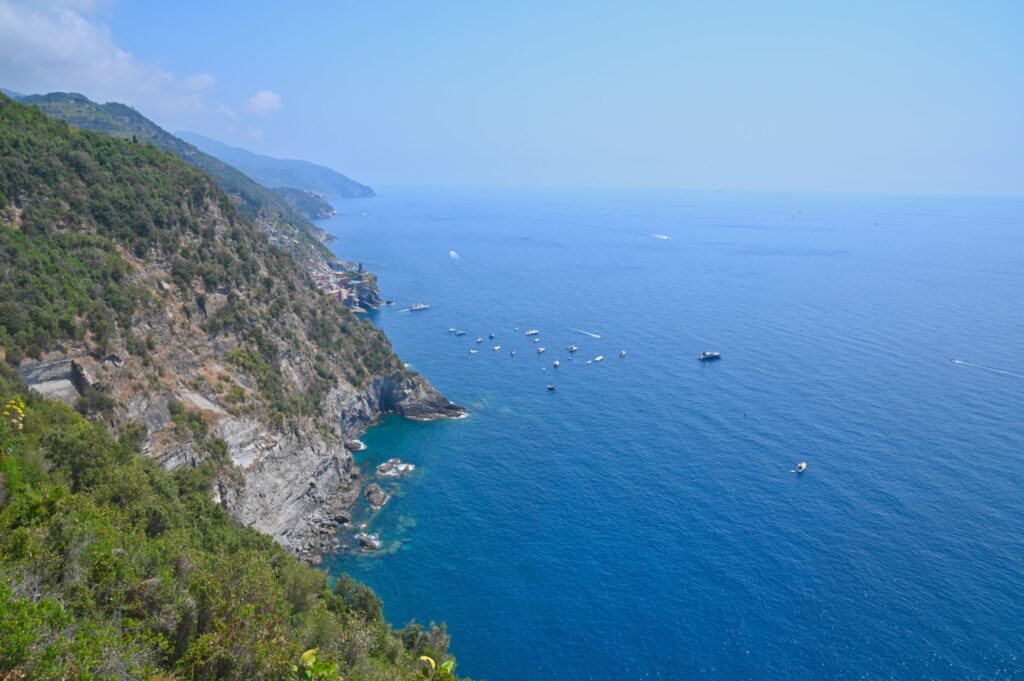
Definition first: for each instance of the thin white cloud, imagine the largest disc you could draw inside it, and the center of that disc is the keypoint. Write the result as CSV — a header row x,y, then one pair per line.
x,y
51,45
263,102
227,112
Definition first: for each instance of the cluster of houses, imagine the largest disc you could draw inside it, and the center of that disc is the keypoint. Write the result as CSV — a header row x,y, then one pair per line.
x,y
347,282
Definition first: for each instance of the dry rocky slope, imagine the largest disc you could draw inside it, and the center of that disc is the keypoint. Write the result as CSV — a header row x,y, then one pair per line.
x,y
240,363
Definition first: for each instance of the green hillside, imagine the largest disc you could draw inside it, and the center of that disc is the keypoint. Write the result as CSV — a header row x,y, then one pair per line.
x,y
112,568
310,204
118,120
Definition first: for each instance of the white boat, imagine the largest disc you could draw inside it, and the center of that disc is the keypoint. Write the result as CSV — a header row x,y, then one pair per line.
x,y
540,350
800,467
497,347
490,336
513,353
556,364
590,361
622,354
452,330
532,332
460,333
536,340
416,307
599,358
473,352
479,340
571,348
705,356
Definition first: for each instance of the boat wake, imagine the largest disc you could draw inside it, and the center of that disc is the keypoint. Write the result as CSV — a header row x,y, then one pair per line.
x,y
992,369
587,333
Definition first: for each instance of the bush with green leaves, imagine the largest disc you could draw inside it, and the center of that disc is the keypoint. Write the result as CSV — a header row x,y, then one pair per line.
x,y
112,568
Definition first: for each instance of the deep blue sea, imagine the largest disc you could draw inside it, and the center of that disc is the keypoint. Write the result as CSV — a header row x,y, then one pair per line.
x,y
642,522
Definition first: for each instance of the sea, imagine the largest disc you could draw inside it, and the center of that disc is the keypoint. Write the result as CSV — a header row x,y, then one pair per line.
x,y
644,520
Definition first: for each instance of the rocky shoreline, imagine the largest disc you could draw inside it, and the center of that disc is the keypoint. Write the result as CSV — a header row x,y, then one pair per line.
x,y
301,492
295,481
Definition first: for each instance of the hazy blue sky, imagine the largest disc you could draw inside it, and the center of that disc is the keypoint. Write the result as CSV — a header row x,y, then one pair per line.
x,y
896,97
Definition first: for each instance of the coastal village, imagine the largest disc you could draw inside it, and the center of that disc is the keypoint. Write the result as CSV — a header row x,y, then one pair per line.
x,y
348,283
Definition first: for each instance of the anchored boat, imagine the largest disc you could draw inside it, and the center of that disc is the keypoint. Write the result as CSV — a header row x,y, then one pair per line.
x,y
705,356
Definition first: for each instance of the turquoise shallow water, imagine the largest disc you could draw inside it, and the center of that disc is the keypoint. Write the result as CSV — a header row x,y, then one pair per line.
x,y
641,522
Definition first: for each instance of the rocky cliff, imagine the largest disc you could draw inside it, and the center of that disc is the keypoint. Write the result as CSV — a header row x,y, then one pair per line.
x,y
155,306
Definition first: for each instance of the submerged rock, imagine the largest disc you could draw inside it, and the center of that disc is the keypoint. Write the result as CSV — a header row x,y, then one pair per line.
x,y
376,496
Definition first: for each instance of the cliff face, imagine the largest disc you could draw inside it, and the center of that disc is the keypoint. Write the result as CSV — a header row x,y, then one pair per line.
x,y
198,335
298,487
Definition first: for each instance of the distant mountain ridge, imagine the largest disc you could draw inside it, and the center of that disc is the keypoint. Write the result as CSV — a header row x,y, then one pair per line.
x,y
276,172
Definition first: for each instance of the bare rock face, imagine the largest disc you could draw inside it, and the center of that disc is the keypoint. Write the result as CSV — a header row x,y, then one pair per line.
x,y
299,485
299,488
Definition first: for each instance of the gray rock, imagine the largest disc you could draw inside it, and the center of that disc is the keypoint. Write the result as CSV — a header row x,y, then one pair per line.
x,y
369,542
376,496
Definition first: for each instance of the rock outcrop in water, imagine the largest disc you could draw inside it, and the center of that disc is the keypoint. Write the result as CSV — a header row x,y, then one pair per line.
x,y
376,496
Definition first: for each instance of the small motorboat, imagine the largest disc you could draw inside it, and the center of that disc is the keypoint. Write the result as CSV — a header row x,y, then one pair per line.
x,y
490,336
473,352
705,356
513,353
552,387
460,333
590,361
479,340
556,364
497,347
536,340
800,467
622,354
540,350
599,358
532,332
452,330
417,307
571,348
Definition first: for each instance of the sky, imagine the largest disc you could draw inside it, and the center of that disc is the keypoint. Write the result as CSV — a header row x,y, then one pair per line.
x,y
880,97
